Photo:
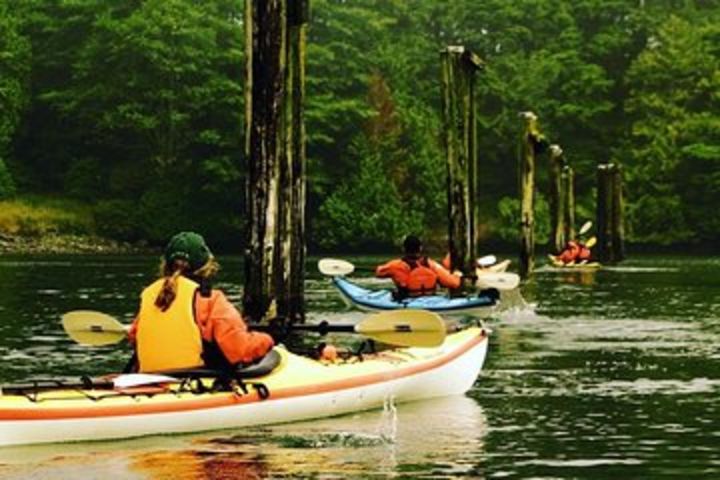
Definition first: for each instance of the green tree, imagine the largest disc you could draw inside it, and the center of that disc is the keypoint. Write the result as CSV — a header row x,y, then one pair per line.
x,y
674,165
14,68
366,210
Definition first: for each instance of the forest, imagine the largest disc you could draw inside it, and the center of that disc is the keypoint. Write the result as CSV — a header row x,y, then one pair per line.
x,y
127,116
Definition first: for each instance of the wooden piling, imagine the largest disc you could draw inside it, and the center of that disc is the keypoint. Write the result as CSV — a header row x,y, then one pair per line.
x,y
567,180
531,143
557,198
604,224
275,155
618,209
459,66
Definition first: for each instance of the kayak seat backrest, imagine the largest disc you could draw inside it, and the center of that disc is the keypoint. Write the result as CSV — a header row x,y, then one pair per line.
x,y
262,367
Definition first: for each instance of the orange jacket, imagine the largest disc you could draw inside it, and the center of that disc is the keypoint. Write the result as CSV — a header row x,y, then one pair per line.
x,y
573,252
418,279
220,322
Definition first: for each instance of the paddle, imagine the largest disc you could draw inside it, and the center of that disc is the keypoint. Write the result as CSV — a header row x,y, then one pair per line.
x,y
486,261
499,280
591,242
585,227
409,328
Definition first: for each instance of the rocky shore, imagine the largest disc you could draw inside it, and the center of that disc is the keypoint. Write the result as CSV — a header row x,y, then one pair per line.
x,y
65,244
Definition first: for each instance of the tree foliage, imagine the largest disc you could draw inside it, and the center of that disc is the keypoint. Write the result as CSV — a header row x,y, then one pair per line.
x,y
138,105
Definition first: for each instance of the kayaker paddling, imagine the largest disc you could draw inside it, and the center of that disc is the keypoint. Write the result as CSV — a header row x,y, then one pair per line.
x,y
415,274
577,250
185,323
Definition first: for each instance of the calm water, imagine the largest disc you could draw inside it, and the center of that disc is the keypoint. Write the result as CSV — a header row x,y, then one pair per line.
x,y
613,374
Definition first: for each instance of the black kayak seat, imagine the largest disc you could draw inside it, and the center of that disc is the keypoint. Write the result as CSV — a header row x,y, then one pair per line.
x,y
261,367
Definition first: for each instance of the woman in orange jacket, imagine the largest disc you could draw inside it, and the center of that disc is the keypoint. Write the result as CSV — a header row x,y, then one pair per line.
x,y
415,274
184,323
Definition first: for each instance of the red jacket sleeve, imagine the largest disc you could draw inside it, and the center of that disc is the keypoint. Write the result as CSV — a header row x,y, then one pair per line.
x,y
396,269
220,322
446,279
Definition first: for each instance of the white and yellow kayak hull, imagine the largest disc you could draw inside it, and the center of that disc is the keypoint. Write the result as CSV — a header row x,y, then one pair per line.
x,y
299,388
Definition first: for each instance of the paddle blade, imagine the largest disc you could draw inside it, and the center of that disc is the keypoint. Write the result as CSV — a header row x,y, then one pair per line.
x,y
591,242
585,228
88,327
486,261
498,280
334,267
408,328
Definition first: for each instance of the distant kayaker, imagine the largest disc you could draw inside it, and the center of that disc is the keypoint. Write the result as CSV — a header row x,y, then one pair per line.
x,y
574,252
185,323
415,274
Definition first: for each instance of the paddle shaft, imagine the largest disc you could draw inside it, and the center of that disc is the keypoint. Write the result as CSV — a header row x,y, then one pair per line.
x,y
404,328
321,328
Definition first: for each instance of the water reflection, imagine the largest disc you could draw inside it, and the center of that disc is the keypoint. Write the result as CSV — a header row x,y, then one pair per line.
x,y
435,438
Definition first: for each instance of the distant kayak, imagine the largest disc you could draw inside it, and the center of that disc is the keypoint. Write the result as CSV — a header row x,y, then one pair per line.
x,y
377,300
556,262
295,388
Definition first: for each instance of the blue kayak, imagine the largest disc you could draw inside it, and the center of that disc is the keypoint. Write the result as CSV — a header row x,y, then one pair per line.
x,y
378,300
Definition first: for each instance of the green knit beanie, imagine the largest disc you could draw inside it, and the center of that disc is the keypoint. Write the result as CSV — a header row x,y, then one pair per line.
x,y
188,246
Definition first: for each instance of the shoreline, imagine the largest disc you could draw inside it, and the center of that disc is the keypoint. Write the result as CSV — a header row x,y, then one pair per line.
x,y
66,244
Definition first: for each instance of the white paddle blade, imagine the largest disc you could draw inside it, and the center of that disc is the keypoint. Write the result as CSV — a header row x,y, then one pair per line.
x,y
495,268
499,280
335,268
88,327
411,328
486,261
585,227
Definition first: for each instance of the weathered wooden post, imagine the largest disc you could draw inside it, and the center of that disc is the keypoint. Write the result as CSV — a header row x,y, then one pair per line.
x,y
275,153
557,197
459,66
618,209
567,180
604,212
291,285
531,143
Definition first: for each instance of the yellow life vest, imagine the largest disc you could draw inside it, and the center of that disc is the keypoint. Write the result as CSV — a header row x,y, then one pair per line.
x,y
171,339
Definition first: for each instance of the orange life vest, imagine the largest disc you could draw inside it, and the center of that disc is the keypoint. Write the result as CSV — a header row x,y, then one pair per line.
x,y
171,339
421,279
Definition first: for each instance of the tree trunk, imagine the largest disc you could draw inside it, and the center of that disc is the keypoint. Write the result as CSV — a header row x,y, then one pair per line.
x,y
460,138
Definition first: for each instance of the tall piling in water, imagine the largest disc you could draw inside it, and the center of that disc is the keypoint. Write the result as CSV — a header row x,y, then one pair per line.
x,y
532,142
567,180
557,198
618,215
275,155
562,199
610,213
459,67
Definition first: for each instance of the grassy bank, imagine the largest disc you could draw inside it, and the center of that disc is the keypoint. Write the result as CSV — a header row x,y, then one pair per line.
x,y
38,216
37,224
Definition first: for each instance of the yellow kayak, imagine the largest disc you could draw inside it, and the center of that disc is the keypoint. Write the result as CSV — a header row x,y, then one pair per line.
x,y
298,388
